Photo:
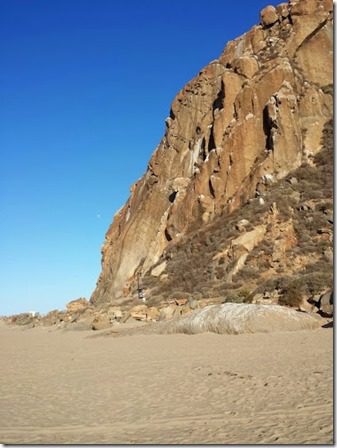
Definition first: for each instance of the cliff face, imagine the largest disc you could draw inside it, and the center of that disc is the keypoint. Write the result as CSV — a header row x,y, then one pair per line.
x,y
248,119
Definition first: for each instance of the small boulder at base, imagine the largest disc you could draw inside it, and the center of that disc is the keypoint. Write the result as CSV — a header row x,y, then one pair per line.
x,y
53,317
115,313
139,312
168,312
152,313
306,306
326,304
22,319
100,322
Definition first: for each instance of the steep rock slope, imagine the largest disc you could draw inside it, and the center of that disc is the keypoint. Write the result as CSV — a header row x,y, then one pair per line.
x,y
277,248
248,119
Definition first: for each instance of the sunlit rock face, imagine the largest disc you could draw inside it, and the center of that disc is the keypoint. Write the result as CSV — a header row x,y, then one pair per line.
x,y
257,111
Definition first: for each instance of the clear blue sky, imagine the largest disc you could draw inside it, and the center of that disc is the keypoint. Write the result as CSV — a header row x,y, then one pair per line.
x,y
85,87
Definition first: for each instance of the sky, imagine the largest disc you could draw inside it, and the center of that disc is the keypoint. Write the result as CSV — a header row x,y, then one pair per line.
x,y
85,87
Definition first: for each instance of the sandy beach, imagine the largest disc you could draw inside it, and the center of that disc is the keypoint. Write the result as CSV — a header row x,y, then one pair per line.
x,y
79,387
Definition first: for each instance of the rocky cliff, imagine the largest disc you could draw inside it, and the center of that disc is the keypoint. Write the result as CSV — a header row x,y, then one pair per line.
x,y
238,128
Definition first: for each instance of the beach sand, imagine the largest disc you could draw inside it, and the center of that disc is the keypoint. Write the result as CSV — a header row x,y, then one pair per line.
x,y
80,387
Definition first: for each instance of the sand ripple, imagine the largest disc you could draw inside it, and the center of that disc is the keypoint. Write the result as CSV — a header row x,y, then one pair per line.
x,y
66,387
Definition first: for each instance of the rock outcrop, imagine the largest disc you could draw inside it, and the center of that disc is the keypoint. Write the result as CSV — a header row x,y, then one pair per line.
x,y
246,120
233,318
238,318
77,305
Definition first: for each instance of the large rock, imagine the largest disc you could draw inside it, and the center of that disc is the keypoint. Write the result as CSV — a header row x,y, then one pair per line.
x,y
257,111
246,66
235,318
158,269
115,313
77,305
101,322
139,312
240,248
22,319
282,10
268,16
168,312
326,304
54,317
306,306
144,313
152,314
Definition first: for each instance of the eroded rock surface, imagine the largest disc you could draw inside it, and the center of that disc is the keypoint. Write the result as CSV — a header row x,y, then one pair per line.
x,y
235,318
248,118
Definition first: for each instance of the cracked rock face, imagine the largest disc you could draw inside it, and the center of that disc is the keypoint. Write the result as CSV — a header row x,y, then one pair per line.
x,y
259,110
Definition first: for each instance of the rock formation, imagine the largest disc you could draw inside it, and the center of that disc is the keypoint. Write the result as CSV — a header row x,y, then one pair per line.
x,y
238,318
244,122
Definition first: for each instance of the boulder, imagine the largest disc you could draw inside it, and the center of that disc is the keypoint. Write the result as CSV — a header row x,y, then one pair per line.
x,y
193,303
282,10
71,317
306,306
158,270
250,239
235,318
268,16
241,225
115,313
258,298
22,319
152,313
326,304
86,315
101,322
293,180
139,312
53,317
168,312
246,66
77,305
183,310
